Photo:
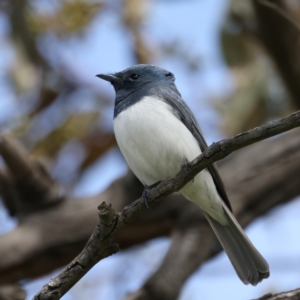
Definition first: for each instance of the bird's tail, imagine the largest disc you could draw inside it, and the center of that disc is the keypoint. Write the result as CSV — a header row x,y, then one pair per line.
x,y
248,263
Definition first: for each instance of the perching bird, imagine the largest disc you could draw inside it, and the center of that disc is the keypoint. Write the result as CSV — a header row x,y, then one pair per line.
x,y
157,133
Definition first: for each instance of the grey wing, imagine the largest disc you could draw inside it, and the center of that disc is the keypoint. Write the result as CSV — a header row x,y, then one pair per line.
x,y
173,98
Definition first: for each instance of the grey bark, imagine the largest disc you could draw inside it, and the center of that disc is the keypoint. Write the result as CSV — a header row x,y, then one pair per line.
x,y
290,295
273,164
256,179
99,245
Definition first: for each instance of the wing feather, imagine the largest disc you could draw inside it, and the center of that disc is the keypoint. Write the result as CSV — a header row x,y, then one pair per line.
x,y
171,95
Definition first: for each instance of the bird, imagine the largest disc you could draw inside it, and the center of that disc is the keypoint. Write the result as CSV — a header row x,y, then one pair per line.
x,y
158,134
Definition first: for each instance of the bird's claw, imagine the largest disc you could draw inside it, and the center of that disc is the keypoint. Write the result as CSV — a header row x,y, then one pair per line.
x,y
145,197
145,194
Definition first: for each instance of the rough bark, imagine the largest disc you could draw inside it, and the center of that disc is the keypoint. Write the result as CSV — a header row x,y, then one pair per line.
x,y
34,200
290,295
100,245
256,179
273,163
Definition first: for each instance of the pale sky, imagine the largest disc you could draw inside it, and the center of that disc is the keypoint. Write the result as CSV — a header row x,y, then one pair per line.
x,y
196,23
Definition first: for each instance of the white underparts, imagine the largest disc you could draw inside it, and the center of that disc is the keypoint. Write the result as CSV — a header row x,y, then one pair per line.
x,y
155,144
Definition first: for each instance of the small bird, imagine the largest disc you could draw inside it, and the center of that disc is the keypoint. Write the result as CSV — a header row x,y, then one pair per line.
x,y
157,133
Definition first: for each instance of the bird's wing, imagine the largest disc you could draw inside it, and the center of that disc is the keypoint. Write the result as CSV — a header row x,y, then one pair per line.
x,y
183,112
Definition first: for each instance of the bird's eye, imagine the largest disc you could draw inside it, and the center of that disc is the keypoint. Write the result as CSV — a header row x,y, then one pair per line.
x,y
134,77
169,74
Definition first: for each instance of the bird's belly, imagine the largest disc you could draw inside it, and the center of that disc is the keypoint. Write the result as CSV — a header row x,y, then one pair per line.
x,y
154,142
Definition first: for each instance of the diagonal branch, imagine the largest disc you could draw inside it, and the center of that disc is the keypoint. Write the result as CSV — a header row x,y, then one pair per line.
x,y
99,245
27,187
290,295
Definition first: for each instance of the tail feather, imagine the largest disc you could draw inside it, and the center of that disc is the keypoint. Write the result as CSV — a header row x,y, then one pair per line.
x,y
248,263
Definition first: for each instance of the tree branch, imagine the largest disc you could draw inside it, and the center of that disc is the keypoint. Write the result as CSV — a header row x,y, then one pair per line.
x,y
290,295
279,33
26,185
280,11
182,259
98,246
12,292
272,176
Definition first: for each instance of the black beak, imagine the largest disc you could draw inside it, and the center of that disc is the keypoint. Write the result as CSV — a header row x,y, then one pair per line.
x,y
108,77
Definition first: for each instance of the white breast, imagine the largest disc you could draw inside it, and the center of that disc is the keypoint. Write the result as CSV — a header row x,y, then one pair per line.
x,y
155,144
153,140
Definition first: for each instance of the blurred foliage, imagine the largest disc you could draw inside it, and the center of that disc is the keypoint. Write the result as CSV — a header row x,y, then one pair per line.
x,y
46,90
72,17
133,16
259,93
48,115
75,127
58,114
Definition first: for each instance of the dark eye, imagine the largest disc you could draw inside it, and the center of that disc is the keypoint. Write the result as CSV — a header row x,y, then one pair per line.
x,y
134,77
169,74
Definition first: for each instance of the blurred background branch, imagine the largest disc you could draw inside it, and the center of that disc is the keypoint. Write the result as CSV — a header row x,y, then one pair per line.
x,y
100,244
237,66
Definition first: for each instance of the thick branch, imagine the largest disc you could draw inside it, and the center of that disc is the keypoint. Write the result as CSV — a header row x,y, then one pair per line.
x,y
26,185
57,287
290,295
12,292
267,171
279,33
182,259
98,247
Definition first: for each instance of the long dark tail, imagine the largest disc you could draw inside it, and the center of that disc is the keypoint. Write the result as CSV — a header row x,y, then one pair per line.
x,y
248,263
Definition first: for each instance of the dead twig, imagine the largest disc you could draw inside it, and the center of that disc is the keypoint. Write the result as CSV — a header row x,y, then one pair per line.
x,y
99,245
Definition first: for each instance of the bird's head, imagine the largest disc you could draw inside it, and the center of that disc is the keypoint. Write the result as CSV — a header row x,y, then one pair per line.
x,y
137,76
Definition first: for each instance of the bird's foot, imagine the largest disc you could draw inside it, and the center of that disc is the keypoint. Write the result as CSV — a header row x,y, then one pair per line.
x,y
145,194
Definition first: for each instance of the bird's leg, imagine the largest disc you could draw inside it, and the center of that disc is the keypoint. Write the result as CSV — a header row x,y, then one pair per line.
x,y
145,194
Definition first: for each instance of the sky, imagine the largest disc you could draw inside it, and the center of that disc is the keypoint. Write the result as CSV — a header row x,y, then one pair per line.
x,y
196,24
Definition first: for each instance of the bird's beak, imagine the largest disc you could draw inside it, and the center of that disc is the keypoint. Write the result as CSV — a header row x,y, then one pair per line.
x,y
108,77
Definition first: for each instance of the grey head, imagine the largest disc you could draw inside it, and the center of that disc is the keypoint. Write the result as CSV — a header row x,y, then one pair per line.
x,y
133,83
138,76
